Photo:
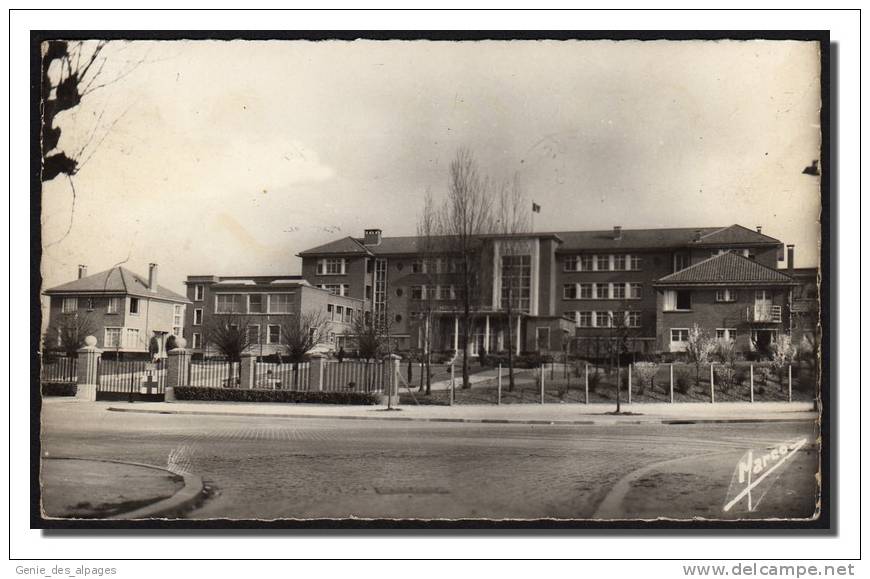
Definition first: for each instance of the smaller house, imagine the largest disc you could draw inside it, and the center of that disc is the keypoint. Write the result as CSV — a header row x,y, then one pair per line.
x,y
127,313
730,296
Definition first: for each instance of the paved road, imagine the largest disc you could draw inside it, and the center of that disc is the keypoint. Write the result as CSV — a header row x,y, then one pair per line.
x,y
269,467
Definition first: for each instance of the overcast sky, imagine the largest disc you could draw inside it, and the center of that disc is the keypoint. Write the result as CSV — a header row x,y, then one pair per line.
x,y
231,157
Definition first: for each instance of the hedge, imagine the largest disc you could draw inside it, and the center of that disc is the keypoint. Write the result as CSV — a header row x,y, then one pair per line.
x,y
290,396
58,388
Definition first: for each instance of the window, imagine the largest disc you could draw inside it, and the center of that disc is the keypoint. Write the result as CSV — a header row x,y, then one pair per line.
x,y
726,295
345,289
274,335
113,338
400,266
348,315
399,292
679,334
569,291
635,291
333,288
254,335
197,317
601,291
256,304
633,319
198,292
570,263
88,304
132,339
602,319
635,262
228,303
331,266
398,318
602,262
516,281
178,320
619,262
280,303
586,291
368,292
417,266
339,313
197,340
726,334
69,305
681,261
585,263
676,300
618,291
114,306
134,306
329,311
584,319
569,315
417,292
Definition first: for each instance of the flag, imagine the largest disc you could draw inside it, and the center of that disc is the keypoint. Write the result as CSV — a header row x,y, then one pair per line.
x,y
535,207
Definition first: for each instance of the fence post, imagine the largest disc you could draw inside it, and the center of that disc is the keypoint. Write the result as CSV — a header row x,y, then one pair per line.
x,y
586,398
789,382
629,383
452,382
391,393
672,382
751,383
86,370
177,369
498,400
543,370
712,394
315,372
247,369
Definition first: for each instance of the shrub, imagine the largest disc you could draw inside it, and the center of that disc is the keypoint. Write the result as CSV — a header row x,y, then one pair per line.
x,y
594,380
646,374
682,383
59,388
289,396
724,375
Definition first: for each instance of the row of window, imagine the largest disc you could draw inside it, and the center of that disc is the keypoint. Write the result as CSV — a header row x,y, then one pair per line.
x,y
608,319
682,334
336,313
602,291
681,300
435,265
113,337
433,292
254,303
609,262
113,306
332,266
336,289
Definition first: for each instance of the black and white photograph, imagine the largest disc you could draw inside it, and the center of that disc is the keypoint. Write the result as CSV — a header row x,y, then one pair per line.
x,y
432,279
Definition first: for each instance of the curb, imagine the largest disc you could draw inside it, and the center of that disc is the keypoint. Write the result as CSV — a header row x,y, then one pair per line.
x,y
555,422
187,496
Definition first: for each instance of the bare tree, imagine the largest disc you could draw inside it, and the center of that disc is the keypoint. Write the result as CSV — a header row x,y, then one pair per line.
x,y
512,218
68,332
300,334
228,334
427,228
465,216
373,340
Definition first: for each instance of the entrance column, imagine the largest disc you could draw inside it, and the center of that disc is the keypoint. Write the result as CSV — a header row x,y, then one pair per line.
x,y
519,346
456,334
486,336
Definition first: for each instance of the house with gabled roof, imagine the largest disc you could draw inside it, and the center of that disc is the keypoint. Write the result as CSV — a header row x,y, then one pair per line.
x,y
730,296
128,313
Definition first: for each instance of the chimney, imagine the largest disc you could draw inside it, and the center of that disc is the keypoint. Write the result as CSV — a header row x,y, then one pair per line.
x,y
790,259
617,232
758,228
83,271
152,277
372,237
697,235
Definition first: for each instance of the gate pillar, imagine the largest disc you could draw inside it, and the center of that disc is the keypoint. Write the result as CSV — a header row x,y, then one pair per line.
x,y
86,370
247,371
177,369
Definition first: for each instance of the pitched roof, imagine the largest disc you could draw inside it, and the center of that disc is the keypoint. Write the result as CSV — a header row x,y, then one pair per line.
x,y
572,240
344,246
116,280
726,269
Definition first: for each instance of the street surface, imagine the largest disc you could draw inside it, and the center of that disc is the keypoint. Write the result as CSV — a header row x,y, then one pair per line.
x,y
267,467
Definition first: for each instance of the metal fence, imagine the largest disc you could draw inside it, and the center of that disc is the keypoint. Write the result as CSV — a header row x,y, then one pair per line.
x,y
356,375
58,370
282,376
214,374
131,377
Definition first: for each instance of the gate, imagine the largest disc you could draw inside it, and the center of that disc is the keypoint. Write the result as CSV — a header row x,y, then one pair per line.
x,y
131,380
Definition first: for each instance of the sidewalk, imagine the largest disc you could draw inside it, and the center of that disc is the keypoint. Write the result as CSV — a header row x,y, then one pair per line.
x,y
81,488
512,413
